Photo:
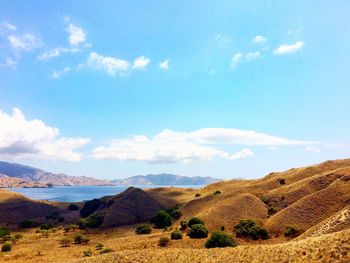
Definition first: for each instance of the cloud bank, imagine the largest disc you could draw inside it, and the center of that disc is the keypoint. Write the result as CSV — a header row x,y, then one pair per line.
x,y
169,146
22,138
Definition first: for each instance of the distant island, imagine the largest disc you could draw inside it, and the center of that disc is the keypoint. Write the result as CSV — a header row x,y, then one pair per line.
x,y
14,175
165,179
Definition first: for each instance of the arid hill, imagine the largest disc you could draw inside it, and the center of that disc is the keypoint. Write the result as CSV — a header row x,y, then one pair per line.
x,y
315,200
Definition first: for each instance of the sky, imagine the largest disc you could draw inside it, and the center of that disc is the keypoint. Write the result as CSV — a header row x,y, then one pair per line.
x,y
228,89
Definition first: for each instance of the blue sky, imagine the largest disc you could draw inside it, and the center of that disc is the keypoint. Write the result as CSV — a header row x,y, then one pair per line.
x,y
212,88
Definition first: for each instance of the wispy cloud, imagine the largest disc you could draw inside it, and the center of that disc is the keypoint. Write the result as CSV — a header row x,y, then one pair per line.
x,y
313,149
24,42
57,52
141,62
164,64
22,138
202,144
59,73
110,65
288,48
252,56
259,39
222,39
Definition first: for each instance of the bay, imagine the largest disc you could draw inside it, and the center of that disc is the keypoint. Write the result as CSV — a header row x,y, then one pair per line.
x,y
80,193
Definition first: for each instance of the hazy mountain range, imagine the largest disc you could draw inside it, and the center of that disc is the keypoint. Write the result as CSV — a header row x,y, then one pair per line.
x,y
18,175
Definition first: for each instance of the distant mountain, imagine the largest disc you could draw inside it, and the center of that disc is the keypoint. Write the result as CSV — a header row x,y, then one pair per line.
x,y
35,175
165,179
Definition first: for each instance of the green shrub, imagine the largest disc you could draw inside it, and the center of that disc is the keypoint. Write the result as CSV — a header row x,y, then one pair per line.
x,y
73,207
251,229
99,246
87,253
80,239
198,231
265,199
220,239
271,211
18,236
106,250
6,247
4,232
143,229
282,181
291,231
6,238
90,207
27,224
46,226
176,214
164,241
65,242
162,220
197,195
222,228
217,192
183,225
92,221
95,220
176,234
195,221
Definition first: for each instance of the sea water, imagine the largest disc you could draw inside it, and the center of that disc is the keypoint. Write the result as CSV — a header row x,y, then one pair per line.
x,y
79,193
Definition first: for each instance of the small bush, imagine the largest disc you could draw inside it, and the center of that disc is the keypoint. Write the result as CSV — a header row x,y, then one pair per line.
x,y
198,231
143,229
106,250
65,242
271,211
6,247
4,232
46,226
99,246
6,238
162,220
45,233
18,236
183,225
27,224
217,192
88,253
195,221
80,239
176,234
251,229
220,239
197,195
282,181
73,207
265,199
222,228
291,231
164,241
176,214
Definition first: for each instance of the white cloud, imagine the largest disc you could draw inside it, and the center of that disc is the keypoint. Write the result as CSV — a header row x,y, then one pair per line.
x,y
24,42
111,65
141,62
76,35
202,144
259,39
287,49
59,73
164,64
236,59
312,149
22,138
222,39
252,56
56,52
7,26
